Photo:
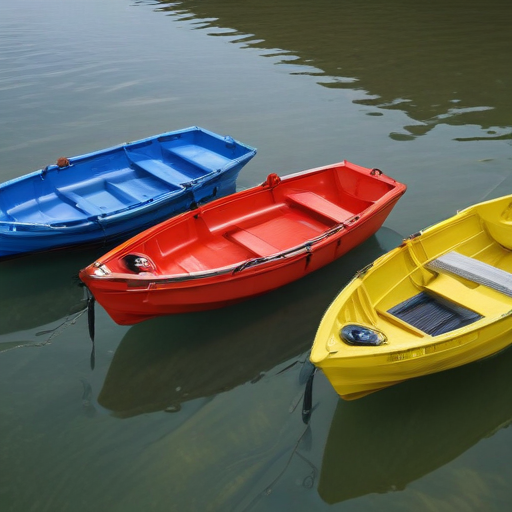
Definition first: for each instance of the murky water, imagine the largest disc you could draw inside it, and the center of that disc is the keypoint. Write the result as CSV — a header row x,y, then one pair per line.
x,y
203,411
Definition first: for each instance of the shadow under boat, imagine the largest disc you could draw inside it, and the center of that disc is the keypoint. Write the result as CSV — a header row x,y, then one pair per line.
x,y
385,441
166,361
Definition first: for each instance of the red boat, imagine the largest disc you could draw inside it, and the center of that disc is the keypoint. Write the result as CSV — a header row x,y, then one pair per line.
x,y
243,245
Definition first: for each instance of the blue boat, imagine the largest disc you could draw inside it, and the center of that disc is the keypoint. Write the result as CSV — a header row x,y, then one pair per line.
x,y
110,195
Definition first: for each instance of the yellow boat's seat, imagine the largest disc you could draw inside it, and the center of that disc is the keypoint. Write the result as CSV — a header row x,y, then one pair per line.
x,y
473,270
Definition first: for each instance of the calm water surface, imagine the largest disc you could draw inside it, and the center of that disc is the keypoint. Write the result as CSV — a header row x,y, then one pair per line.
x,y
202,412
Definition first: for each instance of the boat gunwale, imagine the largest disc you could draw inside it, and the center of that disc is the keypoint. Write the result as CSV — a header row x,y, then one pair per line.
x,y
298,250
117,147
342,229
388,351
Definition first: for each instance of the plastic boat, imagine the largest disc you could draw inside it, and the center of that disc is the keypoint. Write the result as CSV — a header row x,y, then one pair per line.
x,y
440,300
243,245
110,195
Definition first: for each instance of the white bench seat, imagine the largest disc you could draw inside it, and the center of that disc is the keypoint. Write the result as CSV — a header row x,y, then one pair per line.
x,y
473,270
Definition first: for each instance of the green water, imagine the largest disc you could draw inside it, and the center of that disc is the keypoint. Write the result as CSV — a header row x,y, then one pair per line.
x,y
202,412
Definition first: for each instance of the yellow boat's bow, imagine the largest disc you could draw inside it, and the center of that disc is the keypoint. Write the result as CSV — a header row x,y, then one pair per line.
x,y
436,302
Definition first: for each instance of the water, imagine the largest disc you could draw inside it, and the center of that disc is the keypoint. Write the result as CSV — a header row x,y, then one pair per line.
x,y
203,411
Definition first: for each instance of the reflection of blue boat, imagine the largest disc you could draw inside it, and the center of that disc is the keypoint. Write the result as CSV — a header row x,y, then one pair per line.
x,y
114,193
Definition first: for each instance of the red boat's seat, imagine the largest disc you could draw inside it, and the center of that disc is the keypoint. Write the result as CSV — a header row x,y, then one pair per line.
x,y
252,242
318,204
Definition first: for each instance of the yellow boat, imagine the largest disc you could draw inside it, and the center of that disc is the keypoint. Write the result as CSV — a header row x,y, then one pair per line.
x,y
442,299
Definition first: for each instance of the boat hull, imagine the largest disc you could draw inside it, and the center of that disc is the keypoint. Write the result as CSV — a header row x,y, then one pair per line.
x,y
432,317
131,305
354,380
108,196
131,300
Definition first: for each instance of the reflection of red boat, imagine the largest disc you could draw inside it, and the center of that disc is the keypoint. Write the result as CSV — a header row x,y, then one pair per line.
x,y
156,368
243,245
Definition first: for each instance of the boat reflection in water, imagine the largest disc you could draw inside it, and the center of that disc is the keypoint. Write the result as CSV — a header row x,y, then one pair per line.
x,y
387,440
39,289
436,39
166,361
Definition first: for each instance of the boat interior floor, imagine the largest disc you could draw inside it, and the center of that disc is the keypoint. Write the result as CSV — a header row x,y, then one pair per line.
x,y
139,177
92,197
432,314
274,229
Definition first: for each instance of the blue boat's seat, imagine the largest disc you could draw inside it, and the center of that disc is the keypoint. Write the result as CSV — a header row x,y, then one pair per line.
x,y
200,157
159,169
81,203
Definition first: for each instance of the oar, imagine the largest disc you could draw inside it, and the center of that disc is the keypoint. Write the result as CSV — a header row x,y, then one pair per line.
x,y
90,318
308,398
